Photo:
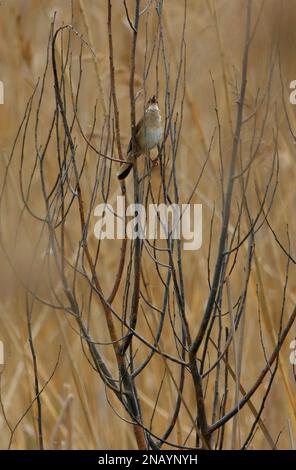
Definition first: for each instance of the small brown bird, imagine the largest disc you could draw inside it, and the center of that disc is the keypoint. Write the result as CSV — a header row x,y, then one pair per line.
x,y
148,135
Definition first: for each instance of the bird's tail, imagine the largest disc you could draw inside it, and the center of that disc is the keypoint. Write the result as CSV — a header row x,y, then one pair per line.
x,y
124,170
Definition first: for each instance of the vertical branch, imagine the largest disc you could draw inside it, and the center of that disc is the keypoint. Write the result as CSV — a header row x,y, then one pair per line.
x,y
119,149
36,377
137,242
95,56
227,206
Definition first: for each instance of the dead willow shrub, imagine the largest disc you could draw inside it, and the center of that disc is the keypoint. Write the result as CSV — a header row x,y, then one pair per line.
x,y
133,316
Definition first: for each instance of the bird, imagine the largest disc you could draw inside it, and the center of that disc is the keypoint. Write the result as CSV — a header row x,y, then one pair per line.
x,y
148,135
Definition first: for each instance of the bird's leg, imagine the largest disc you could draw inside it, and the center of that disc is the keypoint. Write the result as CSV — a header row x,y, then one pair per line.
x,y
154,161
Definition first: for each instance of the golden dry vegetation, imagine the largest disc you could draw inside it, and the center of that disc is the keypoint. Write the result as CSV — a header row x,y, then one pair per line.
x,y
78,411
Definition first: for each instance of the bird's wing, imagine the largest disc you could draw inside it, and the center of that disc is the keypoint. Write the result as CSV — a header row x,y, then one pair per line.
x,y
138,127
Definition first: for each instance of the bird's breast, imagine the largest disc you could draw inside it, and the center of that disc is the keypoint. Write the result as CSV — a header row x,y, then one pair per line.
x,y
152,136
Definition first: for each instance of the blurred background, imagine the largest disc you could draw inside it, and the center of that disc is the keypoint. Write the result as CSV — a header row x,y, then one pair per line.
x,y
78,412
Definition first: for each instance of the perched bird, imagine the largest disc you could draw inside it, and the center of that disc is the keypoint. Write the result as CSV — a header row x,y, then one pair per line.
x,y
148,135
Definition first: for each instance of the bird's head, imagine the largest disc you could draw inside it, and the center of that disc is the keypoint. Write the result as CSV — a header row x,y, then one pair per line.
x,y
152,104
